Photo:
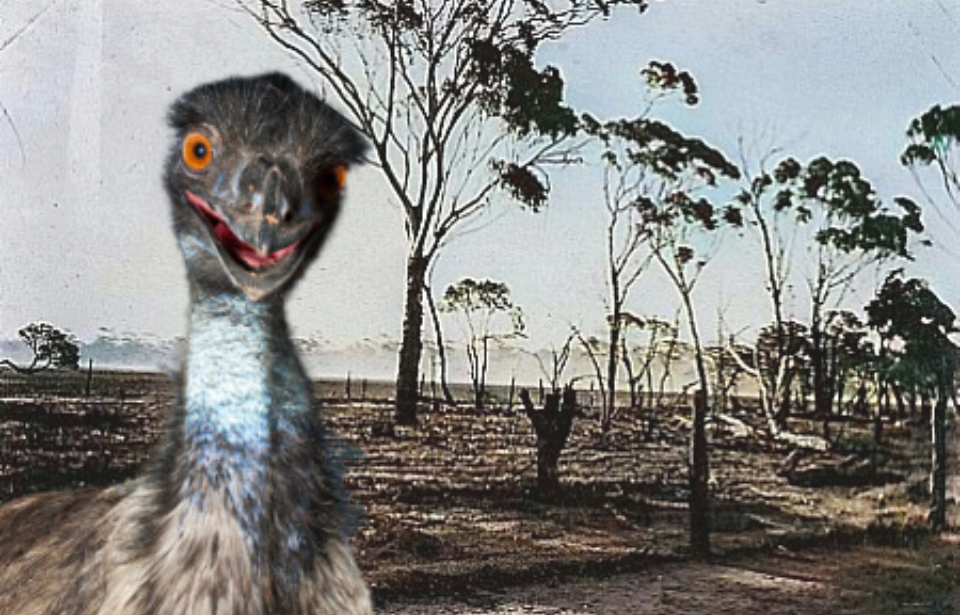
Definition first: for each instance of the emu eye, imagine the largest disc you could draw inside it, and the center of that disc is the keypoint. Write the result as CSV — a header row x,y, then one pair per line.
x,y
197,151
332,181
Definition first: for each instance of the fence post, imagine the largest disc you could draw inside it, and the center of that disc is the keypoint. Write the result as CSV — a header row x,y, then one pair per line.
x,y
89,376
699,478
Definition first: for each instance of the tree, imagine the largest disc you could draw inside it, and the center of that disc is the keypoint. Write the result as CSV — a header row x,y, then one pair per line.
x,y
490,316
626,185
669,172
456,110
644,341
849,229
908,311
934,137
52,348
777,347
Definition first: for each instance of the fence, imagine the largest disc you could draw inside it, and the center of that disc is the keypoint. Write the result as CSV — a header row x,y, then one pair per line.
x,y
83,383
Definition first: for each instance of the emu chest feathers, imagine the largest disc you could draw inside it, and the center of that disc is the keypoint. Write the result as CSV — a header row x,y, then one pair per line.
x,y
240,514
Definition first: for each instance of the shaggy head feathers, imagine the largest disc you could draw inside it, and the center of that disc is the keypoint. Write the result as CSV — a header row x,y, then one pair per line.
x,y
271,112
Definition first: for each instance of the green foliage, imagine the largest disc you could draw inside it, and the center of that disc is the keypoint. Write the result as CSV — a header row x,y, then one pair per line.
x,y
661,149
909,311
931,135
665,77
834,196
849,342
494,44
934,137
664,171
522,184
529,100
484,297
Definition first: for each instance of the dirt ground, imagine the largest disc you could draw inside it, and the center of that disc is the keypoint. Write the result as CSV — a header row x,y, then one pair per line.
x,y
866,580
450,507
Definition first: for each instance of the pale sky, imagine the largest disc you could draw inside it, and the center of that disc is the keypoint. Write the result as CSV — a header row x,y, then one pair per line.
x,y
84,226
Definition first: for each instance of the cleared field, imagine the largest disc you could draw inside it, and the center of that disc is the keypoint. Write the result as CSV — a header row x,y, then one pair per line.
x,y
450,504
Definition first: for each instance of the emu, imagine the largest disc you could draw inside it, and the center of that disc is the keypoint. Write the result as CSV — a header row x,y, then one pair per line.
x,y
242,511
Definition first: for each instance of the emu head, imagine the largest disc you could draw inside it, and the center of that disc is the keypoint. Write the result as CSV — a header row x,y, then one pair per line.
x,y
256,175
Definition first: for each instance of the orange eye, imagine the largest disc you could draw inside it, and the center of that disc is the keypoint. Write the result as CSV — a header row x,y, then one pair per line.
x,y
332,181
197,151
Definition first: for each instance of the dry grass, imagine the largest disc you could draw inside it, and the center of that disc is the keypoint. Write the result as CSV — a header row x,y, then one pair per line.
x,y
450,503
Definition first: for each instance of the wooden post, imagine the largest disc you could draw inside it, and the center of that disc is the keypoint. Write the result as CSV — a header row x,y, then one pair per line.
x,y
699,479
938,466
89,375
363,389
348,386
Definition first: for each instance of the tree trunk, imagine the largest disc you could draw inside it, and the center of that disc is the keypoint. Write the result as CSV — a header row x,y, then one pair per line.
x,y
699,453
441,350
822,395
552,426
608,407
938,473
411,346
783,396
699,479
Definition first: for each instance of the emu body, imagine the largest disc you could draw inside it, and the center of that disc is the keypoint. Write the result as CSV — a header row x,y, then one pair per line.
x,y
241,512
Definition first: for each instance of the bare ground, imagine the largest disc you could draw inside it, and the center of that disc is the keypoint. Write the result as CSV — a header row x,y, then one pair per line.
x,y
866,580
450,508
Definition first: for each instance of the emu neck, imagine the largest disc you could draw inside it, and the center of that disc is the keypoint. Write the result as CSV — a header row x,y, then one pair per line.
x,y
243,380
246,400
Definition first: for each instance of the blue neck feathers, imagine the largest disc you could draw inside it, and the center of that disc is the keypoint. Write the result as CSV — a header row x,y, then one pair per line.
x,y
246,398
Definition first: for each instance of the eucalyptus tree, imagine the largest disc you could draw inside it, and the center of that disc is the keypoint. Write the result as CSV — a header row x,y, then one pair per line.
x,y
646,340
490,317
668,175
934,139
908,312
848,228
776,352
458,113
632,174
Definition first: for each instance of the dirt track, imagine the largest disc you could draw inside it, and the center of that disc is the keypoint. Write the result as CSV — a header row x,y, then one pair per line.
x,y
862,581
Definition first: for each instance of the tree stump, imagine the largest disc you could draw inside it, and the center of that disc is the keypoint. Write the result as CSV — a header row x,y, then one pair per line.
x,y
552,425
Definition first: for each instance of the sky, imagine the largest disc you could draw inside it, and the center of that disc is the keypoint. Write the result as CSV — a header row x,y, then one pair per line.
x,y
84,222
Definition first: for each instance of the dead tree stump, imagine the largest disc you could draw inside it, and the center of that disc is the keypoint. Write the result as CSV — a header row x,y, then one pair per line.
x,y
552,425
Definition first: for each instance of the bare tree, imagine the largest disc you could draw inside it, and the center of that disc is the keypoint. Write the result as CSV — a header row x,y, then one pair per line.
x,y
558,361
453,104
